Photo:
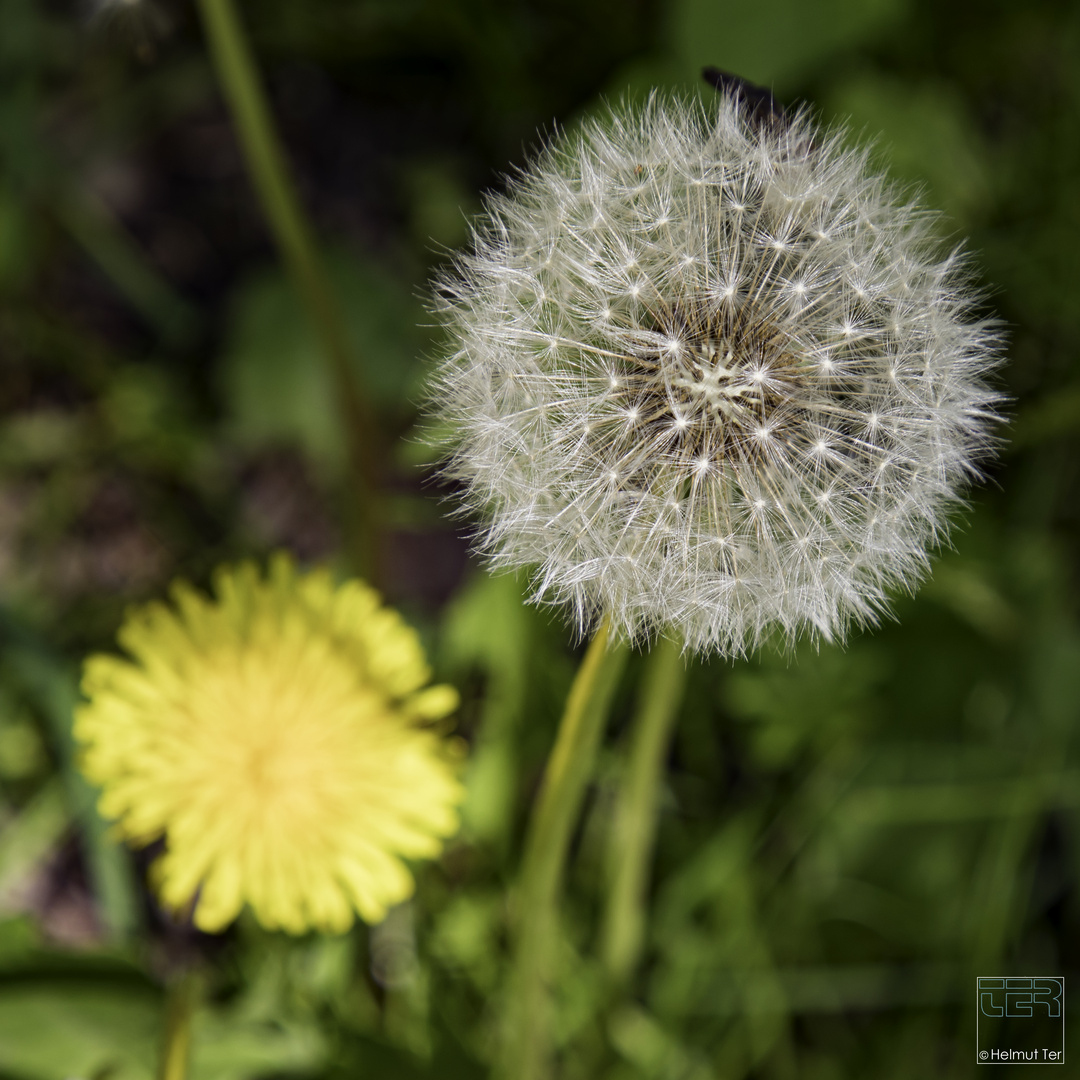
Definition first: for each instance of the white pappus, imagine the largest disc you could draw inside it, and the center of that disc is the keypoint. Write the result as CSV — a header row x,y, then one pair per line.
x,y
712,376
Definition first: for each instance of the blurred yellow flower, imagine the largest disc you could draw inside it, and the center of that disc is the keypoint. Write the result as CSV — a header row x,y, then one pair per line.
x,y
275,737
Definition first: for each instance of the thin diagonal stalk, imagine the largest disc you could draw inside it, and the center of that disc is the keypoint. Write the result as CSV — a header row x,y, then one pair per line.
x,y
270,174
526,1051
633,831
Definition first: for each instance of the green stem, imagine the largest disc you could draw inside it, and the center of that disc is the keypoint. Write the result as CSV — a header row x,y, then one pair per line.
x,y
273,183
634,829
179,1010
527,1048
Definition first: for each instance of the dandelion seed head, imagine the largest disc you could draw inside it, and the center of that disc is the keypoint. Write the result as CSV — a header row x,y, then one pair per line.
x,y
786,355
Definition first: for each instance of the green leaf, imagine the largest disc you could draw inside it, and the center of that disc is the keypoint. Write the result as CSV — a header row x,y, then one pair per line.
x,y
25,841
55,1031
927,137
778,43
487,627
275,380
51,686
224,1048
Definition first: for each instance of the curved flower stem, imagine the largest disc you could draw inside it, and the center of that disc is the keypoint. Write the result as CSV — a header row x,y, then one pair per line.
x,y
179,1009
527,1050
634,828
292,232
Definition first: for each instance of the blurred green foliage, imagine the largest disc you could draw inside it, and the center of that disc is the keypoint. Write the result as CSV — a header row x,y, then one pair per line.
x,y
270,367
848,837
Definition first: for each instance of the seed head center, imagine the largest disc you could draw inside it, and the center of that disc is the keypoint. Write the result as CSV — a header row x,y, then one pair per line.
x,y
710,377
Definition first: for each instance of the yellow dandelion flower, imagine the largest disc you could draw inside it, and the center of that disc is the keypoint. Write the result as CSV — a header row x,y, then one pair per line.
x,y
278,737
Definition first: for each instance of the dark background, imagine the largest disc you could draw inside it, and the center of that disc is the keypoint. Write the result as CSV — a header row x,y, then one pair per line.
x,y
849,837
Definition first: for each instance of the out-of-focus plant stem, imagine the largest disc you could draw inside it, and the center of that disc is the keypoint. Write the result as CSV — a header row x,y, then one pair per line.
x,y
270,174
180,1008
526,1051
633,831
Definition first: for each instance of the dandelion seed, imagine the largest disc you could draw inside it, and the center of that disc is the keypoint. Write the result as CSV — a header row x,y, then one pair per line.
x,y
278,738
810,306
